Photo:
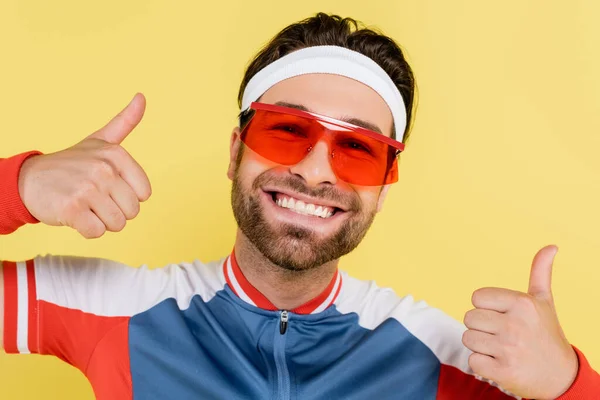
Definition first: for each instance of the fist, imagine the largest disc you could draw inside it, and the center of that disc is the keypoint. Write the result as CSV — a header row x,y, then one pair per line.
x,y
516,338
94,186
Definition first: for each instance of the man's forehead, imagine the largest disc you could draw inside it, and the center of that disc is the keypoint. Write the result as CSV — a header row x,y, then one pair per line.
x,y
334,96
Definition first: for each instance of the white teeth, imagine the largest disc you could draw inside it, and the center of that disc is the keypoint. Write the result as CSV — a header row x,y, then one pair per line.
x,y
319,211
304,208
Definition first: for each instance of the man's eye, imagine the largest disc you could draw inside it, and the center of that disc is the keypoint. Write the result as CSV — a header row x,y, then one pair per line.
x,y
293,129
354,145
288,128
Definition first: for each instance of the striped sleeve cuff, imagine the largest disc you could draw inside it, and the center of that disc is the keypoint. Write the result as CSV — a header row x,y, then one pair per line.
x,y
20,308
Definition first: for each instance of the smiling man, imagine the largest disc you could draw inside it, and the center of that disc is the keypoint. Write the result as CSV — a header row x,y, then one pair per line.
x,y
325,109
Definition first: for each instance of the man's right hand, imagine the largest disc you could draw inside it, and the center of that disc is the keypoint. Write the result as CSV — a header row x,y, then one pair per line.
x,y
94,186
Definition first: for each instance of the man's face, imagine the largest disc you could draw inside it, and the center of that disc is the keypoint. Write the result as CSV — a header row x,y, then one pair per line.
x,y
291,237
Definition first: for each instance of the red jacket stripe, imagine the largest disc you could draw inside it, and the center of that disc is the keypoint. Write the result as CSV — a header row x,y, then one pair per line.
x,y
32,326
10,307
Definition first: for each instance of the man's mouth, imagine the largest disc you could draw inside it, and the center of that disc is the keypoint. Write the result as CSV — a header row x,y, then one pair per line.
x,y
303,206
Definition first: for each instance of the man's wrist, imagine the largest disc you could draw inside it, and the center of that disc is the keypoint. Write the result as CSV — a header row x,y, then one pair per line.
x,y
586,381
13,212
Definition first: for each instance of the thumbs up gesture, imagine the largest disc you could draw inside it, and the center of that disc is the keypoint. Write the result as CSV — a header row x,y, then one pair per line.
x,y
516,338
94,186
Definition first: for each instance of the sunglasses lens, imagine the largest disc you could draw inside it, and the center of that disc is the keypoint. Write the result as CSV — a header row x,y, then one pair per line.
x,y
286,139
364,161
281,138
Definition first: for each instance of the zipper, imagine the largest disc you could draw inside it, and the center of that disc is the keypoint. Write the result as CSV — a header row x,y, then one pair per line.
x,y
283,375
283,322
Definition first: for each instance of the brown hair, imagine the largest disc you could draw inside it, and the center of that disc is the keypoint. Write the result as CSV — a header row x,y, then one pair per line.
x,y
332,30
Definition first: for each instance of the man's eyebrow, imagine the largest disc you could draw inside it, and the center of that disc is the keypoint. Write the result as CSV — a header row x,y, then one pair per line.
x,y
351,120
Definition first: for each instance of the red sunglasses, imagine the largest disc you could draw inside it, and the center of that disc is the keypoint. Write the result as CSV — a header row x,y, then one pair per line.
x,y
357,155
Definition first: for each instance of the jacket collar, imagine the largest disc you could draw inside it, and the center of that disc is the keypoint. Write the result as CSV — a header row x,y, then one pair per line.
x,y
245,291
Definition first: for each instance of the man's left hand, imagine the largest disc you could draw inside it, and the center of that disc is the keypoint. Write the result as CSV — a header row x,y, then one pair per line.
x,y
516,337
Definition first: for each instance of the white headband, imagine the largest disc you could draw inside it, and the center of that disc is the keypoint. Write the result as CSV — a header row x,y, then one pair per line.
x,y
330,60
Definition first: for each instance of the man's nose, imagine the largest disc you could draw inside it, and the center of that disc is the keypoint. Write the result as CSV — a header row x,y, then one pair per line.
x,y
315,168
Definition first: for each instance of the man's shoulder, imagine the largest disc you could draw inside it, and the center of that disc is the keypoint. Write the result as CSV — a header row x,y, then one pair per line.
x,y
61,278
375,304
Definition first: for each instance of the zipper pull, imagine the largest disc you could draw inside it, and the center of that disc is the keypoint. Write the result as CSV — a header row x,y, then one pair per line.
x,y
283,322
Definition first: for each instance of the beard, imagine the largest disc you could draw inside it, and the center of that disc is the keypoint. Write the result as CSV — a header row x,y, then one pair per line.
x,y
290,246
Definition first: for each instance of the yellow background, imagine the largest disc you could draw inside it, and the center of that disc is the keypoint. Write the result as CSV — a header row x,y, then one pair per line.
x,y
503,160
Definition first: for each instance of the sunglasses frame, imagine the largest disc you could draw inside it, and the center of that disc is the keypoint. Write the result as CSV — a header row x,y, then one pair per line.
x,y
394,149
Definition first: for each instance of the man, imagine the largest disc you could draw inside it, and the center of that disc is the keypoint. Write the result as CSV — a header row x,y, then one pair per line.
x,y
325,111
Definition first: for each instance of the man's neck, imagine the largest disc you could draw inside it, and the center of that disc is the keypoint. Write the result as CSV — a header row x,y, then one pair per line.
x,y
285,289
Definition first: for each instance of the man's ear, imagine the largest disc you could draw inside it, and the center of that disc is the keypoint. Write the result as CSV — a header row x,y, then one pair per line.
x,y
382,196
234,149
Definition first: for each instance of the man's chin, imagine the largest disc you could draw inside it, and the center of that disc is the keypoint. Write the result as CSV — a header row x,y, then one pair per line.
x,y
295,249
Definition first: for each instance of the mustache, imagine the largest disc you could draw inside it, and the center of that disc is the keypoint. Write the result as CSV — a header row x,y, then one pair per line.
x,y
350,201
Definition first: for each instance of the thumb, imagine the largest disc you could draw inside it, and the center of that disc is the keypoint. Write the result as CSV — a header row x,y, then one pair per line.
x,y
540,278
121,125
